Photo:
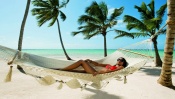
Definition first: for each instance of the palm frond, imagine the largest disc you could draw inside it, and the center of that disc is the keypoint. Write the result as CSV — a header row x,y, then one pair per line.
x,y
89,29
140,34
64,3
161,11
104,10
97,11
91,35
133,22
62,15
43,18
123,34
48,10
131,35
86,18
36,11
130,19
152,8
93,27
111,24
116,13
90,9
53,19
75,33
40,3
145,13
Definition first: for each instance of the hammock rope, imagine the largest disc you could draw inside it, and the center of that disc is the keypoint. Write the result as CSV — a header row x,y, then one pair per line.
x,y
43,68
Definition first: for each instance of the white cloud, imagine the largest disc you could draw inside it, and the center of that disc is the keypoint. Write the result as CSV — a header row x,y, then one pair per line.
x,y
110,11
120,24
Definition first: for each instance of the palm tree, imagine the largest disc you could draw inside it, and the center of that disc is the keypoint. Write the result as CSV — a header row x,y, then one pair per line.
x,y
165,78
96,22
23,25
49,10
149,23
22,29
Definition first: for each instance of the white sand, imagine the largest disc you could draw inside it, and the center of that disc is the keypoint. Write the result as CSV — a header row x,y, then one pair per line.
x,y
140,85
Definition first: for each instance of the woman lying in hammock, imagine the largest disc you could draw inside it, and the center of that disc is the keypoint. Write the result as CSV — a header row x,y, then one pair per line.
x,y
120,64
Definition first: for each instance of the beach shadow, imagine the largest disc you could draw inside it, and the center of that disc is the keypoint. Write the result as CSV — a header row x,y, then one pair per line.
x,y
173,87
99,94
153,71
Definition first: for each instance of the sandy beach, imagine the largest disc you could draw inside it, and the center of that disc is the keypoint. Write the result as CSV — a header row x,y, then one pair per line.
x,y
140,85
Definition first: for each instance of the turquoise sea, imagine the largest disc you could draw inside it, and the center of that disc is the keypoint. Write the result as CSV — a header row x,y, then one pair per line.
x,y
76,53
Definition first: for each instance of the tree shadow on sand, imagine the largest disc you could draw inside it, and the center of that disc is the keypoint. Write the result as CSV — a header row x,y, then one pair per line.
x,y
99,94
153,71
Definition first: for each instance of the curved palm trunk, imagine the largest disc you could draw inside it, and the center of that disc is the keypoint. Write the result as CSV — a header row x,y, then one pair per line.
x,y
165,78
158,61
68,58
22,30
23,25
105,48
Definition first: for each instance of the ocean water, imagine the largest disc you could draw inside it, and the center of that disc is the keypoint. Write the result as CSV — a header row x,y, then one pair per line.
x,y
77,53
73,53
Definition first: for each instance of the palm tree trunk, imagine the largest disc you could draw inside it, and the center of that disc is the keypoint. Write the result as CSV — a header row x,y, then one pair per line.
x,y
23,25
158,61
105,48
68,58
22,30
165,78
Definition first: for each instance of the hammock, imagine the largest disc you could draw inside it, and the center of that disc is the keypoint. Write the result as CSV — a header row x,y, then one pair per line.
x,y
43,68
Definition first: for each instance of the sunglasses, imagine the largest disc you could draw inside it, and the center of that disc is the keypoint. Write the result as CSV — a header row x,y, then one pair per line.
x,y
120,60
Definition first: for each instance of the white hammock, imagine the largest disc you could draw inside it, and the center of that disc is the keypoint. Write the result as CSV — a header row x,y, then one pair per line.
x,y
40,67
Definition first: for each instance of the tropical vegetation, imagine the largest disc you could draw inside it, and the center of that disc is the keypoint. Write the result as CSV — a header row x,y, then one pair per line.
x,y
95,21
49,10
150,21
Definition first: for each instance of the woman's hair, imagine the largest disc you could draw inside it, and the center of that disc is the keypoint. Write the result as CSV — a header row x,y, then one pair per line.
x,y
125,63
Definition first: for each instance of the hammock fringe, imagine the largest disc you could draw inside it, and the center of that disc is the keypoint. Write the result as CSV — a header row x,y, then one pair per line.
x,y
125,80
47,80
60,86
9,75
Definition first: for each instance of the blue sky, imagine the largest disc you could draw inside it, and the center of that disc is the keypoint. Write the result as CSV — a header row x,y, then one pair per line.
x,y
45,37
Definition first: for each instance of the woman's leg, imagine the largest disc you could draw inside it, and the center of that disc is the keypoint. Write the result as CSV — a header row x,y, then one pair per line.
x,y
82,63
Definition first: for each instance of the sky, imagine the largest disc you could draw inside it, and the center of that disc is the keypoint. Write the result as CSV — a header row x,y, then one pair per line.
x,y
44,37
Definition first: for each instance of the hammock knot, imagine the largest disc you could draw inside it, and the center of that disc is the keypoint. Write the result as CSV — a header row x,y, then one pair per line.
x,y
83,87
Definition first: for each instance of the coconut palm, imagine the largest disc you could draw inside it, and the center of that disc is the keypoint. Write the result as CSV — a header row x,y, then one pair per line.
x,y
49,10
23,25
166,74
148,25
22,29
96,21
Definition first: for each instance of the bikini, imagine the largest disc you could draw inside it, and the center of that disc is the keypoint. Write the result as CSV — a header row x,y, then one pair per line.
x,y
111,67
